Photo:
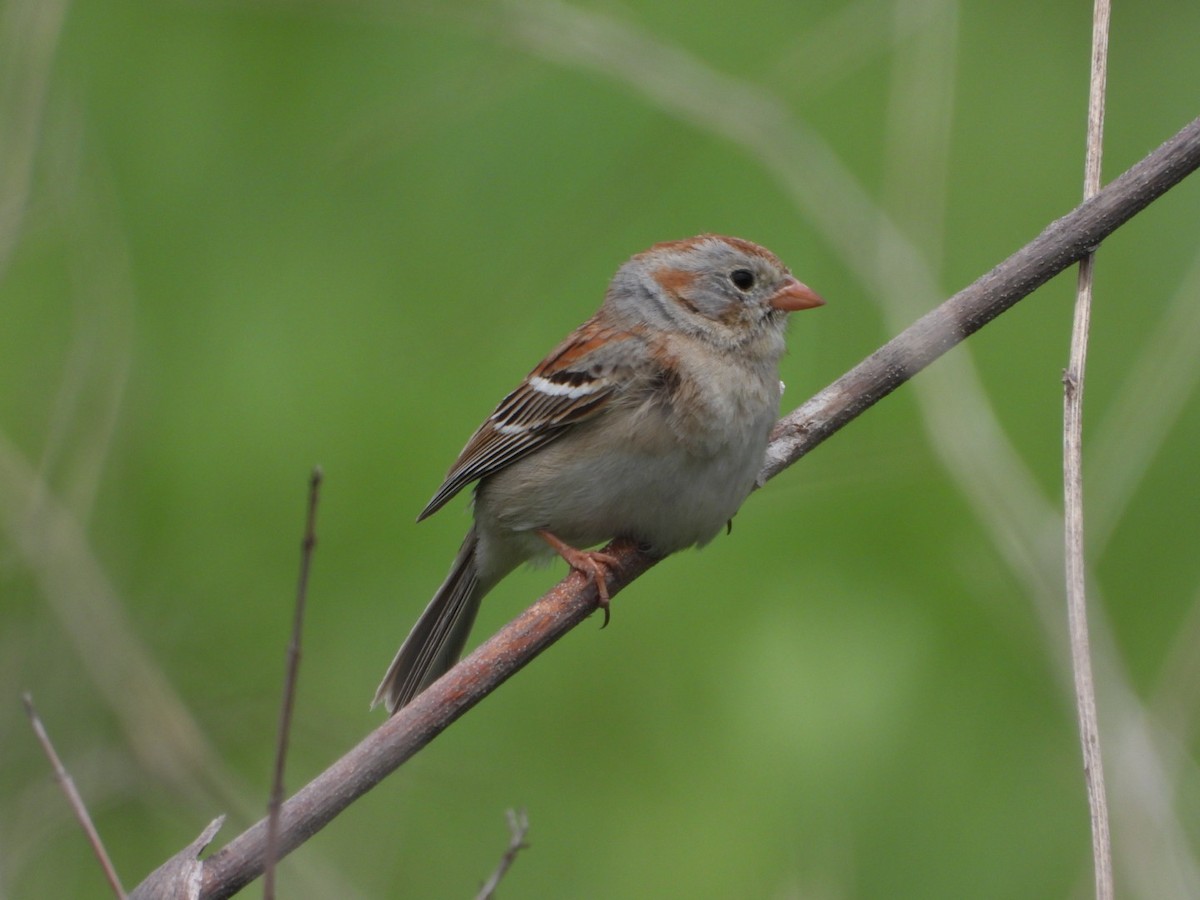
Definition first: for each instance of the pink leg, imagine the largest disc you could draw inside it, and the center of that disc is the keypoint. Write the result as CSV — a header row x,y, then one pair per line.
x,y
590,563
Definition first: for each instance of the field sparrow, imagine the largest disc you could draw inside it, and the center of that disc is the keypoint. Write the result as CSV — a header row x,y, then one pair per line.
x,y
648,422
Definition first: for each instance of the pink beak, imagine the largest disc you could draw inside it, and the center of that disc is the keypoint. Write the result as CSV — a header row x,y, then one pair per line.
x,y
795,295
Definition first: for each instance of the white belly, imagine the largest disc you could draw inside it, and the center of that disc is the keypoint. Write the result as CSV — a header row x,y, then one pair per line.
x,y
592,485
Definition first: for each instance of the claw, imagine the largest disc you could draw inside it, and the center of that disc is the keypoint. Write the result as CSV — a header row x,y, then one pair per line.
x,y
589,563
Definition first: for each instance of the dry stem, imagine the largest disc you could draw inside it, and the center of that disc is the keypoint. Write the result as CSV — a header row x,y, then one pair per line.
x,y
1076,565
307,546
518,827
76,802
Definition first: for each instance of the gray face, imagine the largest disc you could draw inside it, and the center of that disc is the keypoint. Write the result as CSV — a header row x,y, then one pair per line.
x,y
717,287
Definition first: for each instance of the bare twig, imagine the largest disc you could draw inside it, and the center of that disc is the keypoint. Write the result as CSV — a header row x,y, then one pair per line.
x,y
68,786
411,728
166,740
518,827
307,545
179,877
1060,245
1076,566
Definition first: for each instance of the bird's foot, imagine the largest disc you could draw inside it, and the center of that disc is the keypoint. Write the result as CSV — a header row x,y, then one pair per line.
x,y
590,563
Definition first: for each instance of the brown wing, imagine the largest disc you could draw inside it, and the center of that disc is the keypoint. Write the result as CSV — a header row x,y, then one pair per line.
x,y
573,384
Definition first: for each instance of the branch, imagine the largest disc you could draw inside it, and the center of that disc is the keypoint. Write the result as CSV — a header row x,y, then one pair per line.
x,y
307,545
1076,565
518,827
433,710
179,877
63,777
1060,245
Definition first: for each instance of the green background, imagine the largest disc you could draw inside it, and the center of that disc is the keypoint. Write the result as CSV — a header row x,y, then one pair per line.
x,y
241,239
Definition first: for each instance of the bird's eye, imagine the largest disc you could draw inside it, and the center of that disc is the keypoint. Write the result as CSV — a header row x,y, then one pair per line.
x,y
743,279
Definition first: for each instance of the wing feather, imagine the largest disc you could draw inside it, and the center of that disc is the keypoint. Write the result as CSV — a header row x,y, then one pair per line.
x,y
573,384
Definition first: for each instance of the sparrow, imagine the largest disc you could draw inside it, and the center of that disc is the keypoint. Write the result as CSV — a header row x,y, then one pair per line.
x,y
649,422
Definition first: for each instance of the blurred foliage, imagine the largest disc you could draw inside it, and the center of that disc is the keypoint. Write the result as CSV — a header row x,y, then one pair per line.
x,y
241,239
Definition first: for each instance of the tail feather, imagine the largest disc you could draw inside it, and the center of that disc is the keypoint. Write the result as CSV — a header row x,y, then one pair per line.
x,y
437,640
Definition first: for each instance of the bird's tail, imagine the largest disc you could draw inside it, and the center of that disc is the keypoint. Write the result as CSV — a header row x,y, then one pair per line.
x,y
437,640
